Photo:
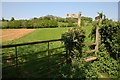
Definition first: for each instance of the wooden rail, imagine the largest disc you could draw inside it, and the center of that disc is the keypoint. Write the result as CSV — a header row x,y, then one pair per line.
x,y
22,44
89,58
90,44
89,51
31,67
33,53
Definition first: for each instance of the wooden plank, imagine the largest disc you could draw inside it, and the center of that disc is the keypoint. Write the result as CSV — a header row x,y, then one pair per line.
x,y
89,51
89,59
34,66
90,44
33,60
14,45
102,75
34,53
49,67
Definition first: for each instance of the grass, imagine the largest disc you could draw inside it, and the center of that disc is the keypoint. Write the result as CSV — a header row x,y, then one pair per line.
x,y
87,30
88,40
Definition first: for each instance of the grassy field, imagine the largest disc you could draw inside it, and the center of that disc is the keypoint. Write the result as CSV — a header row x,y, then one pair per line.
x,y
48,34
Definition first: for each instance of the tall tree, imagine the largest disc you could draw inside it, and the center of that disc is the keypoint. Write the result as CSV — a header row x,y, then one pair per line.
x,y
12,19
3,19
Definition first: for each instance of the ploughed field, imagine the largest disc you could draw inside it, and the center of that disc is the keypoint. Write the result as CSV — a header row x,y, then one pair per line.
x,y
11,34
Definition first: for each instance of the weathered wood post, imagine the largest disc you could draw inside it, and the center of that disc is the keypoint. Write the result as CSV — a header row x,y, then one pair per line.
x,y
97,39
79,19
49,57
97,36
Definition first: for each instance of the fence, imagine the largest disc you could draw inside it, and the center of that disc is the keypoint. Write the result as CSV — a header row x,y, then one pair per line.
x,y
15,66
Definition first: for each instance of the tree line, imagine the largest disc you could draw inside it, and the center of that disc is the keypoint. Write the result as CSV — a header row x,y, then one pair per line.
x,y
48,21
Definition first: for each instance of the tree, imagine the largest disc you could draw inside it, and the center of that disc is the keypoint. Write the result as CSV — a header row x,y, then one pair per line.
x,y
99,17
12,19
3,19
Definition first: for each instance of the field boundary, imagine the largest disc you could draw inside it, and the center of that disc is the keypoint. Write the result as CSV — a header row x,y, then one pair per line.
x,y
16,58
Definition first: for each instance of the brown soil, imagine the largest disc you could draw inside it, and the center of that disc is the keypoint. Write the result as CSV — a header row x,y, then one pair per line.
x,y
8,35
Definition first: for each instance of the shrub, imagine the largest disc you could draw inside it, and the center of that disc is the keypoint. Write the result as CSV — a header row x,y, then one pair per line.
x,y
70,24
73,40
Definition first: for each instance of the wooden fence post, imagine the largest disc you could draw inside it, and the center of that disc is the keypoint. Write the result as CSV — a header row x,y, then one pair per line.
x,y
16,56
79,19
97,40
48,58
97,36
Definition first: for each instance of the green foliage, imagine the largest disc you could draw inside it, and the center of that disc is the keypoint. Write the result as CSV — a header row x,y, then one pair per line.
x,y
82,23
106,64
12,19
73,40
61,20
109,34
4,24
14,24
30,24
26,24
87,19
70,24
50,17
110,38
107,61
3,19
72,20
48,21
61,24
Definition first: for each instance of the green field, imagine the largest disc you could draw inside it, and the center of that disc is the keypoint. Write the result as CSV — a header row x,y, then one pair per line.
x,y
48,34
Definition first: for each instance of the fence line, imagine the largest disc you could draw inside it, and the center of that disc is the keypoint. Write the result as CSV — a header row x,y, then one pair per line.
x,y
48,50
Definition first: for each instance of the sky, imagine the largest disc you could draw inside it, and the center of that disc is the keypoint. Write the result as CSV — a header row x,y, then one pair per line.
x,y
119,11
28,10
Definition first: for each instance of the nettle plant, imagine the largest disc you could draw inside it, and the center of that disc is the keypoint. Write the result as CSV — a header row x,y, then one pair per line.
x,y
73,40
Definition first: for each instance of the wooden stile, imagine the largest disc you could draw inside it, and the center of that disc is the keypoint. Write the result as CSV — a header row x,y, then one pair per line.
x,y
89,59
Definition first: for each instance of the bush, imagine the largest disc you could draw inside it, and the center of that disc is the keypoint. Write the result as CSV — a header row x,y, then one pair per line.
x,y
109,34
110,38
30,24
73,40
106,64
70,24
